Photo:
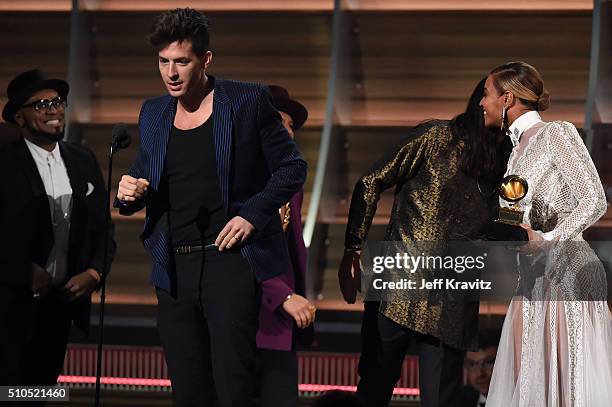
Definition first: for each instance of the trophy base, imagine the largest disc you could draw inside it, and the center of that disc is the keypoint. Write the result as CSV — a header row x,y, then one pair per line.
x,y
506,232
510,216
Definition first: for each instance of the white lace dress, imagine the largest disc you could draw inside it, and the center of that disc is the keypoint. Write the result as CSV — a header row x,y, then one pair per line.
x,y
556,343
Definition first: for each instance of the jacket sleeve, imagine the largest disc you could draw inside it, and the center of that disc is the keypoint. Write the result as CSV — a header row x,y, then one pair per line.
x,y
575,165
137,170
287,167
295,241
274,292
393,168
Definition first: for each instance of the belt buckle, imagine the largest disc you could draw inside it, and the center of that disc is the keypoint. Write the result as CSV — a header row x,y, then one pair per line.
x,y
183,249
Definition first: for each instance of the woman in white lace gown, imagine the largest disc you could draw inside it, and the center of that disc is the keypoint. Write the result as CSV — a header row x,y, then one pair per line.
x,y
556,344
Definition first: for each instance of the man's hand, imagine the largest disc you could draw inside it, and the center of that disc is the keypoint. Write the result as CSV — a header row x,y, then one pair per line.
x,y
300,309
41,281
349,275
237,230
131,189
82,284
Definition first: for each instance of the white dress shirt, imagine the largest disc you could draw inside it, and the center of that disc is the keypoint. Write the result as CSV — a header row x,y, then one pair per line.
x,y
522,123
59,193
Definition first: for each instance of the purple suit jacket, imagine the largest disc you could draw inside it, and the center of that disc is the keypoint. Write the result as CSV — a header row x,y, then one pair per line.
x,y
276,327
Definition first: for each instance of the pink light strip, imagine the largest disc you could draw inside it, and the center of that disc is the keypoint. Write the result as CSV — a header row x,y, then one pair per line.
x,y
131,381
122,381
398,391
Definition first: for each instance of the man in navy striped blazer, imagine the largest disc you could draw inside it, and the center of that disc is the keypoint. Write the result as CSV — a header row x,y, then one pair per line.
x,y
214,165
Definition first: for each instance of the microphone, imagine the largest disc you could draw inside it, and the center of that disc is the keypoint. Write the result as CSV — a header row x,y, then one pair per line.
x,y
121,137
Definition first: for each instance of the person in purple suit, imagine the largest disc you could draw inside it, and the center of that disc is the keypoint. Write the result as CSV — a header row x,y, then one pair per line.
x,y
284,306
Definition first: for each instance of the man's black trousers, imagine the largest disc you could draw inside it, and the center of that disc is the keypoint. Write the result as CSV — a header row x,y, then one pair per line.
x,y
384,347
207,327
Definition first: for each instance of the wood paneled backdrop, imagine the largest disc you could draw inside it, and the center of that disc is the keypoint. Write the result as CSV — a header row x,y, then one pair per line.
x,y
406,66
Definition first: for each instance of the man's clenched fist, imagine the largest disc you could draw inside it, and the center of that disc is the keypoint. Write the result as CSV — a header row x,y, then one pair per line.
x,y
131,189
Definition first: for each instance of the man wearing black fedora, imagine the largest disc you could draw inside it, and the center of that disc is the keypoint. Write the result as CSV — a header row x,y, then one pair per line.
x,y
53,213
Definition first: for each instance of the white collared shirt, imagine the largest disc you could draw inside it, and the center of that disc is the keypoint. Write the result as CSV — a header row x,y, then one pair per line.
x,y
59,193
482,400
522,123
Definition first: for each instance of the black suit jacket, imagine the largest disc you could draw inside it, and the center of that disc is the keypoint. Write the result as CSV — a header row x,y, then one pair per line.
x,y
258,165
27,235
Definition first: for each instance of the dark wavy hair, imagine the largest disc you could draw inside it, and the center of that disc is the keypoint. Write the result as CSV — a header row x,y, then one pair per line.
x,y
181,24
484,153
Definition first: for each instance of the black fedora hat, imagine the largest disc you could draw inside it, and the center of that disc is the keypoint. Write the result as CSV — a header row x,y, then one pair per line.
x,y
24,85
282,101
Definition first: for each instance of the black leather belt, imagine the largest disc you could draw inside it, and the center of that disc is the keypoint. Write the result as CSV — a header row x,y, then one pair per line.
x,y
193,248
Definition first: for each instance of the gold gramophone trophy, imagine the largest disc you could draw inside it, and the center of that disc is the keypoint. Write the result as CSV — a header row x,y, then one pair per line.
x,y
512,189
507,226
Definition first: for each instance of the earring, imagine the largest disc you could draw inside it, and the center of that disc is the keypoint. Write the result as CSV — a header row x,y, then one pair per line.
x,y
504,115
502,127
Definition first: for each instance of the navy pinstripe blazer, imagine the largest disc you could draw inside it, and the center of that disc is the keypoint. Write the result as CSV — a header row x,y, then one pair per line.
x,y
258,165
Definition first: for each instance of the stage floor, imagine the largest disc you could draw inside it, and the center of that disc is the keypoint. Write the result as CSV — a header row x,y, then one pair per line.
x,y
137,398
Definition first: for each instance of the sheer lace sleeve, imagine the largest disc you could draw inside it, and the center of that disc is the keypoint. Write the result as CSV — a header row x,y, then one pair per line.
x,y
572,159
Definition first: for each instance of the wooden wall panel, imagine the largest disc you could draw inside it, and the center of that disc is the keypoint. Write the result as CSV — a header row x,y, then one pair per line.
x,y
33,40
413,66
36,5
301,5
289,49
471,5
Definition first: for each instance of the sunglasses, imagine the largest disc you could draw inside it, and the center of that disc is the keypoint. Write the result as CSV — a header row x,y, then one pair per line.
x,y
47,104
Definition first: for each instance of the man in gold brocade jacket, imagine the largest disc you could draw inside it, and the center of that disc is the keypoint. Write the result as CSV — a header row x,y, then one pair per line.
x,y
445,175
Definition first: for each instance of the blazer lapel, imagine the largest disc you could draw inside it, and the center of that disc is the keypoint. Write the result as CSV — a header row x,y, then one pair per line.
x,y
29,167
77,183
222,121
161,134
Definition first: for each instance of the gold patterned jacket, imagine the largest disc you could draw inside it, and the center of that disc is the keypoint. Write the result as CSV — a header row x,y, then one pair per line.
x,y
435,201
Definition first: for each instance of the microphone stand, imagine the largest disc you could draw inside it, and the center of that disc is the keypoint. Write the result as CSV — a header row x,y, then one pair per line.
x,y
113,149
